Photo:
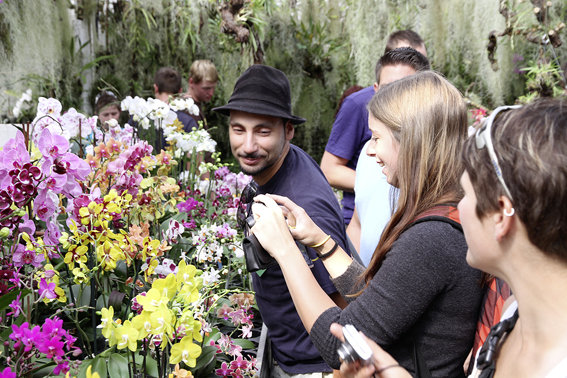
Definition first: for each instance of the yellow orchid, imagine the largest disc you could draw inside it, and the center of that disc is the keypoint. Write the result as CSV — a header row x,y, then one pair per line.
x,y
80,274
166,286
143,324
152,300
108,254
76,254
191,325
161,321
127,336
185,351
107,321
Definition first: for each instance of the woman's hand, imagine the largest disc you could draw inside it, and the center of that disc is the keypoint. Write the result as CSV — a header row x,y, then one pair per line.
x,y
384,366
303,229
270,227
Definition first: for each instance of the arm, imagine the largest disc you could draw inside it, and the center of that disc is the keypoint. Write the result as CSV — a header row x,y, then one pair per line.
x,y
353,230
337,173
273,233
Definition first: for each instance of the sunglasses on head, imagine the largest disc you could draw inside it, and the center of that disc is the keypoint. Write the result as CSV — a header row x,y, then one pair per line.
x,y
483,139
244,205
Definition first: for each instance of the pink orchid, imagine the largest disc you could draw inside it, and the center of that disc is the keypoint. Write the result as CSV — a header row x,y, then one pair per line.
x,y
47,290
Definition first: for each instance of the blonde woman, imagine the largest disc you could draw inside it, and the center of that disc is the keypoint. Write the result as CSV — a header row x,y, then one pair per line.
x,y
418,298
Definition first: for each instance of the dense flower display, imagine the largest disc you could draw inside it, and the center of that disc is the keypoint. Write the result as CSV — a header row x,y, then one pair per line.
x,y
124,259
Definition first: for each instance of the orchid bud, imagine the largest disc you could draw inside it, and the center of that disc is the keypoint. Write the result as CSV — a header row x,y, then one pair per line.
x,y
4,232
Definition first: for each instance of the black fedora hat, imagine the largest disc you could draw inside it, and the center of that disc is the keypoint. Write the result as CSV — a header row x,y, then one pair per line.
x,y
261,90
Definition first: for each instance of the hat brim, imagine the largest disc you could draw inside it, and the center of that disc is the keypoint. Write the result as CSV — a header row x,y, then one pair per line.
x,y
258,108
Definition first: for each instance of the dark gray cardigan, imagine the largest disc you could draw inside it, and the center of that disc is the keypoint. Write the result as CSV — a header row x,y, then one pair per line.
x,y
424,288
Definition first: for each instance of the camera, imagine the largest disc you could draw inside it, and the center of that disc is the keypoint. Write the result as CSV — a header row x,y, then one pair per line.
x,y
354,348
255,255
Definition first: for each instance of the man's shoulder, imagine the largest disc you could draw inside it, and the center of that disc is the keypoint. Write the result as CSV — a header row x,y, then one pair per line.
x,y
187,120
360,98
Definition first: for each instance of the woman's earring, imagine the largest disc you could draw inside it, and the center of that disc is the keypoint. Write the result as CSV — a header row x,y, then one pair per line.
x,y
511,213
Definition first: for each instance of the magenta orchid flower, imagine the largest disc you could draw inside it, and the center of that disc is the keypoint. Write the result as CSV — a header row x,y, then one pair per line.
x,y
52,347
16,307
8,373
47,290
224,371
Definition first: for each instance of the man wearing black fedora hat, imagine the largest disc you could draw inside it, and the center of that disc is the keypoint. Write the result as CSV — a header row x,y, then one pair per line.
x,y
261,128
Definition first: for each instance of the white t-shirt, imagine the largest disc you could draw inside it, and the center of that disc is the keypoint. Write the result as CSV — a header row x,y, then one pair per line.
x,y
372,200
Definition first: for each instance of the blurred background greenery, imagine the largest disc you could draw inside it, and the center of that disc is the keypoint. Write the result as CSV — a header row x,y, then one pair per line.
x,y
494,51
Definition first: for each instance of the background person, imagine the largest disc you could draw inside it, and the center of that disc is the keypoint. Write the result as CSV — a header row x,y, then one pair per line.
x,y
418,292
350,130
203,78
107,107
167,83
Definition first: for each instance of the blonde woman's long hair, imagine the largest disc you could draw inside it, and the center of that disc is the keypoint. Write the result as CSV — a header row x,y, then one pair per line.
x,y
428,117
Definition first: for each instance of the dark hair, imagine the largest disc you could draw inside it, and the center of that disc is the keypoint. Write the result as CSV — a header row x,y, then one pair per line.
x,y
348,92
531,146
413,39
105,99
404,55
167,80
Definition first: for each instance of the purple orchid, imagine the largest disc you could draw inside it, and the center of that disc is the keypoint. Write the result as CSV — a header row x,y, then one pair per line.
x,y
61,368
221,173
15,154
52,146
47,290
239,363
22,256
53,328
18,333
16,307
188,205
224,371
45,204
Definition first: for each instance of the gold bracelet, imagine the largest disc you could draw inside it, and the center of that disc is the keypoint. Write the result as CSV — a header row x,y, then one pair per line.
x,y
320,244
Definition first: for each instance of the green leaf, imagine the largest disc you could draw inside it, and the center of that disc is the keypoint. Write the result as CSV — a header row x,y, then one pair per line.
x,y
99,366
206,358
121,270
118,366
84,366
95,62
245,344
6,299
100,302
151,365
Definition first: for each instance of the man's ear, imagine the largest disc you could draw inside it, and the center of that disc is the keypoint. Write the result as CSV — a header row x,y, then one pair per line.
x,y
191,82
289,131
376,87
156,90
504,218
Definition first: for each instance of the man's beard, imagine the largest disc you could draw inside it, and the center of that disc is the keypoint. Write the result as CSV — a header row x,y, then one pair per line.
x,y
257,170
